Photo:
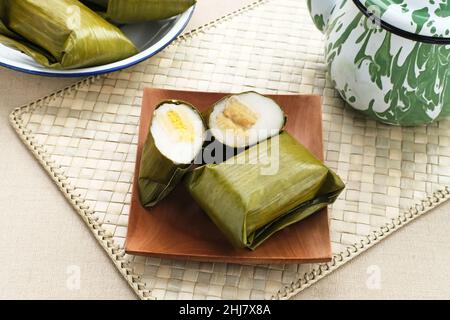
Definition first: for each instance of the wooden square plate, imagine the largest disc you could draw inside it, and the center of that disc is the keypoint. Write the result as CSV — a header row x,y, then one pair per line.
x,y
177,228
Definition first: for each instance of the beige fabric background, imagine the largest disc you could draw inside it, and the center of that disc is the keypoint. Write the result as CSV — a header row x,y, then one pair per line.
x,y
43,241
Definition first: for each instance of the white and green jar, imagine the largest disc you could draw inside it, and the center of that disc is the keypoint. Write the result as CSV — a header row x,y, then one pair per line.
x,y
389,59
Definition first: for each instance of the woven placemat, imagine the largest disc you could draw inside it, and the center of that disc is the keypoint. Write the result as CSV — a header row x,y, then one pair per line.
x,y
85,137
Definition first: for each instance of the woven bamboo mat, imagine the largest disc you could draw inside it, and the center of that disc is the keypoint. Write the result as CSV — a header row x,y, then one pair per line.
x,y
85,137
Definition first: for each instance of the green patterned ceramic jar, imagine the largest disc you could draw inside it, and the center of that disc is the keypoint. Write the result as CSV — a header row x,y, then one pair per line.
x,y
389,59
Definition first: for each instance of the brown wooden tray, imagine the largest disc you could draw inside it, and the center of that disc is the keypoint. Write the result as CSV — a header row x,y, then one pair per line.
x,y
177,228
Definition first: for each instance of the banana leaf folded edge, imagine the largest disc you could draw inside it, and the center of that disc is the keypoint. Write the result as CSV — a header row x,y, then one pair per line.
x,y
135,11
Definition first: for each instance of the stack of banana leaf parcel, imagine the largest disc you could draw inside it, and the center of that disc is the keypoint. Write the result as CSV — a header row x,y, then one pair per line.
x,y
67,34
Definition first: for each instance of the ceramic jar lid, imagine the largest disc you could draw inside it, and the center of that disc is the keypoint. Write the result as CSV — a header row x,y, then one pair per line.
x,y
421,20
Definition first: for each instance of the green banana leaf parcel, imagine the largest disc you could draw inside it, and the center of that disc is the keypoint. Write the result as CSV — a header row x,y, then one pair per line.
x,y
132,11
159,175
62,34
263,189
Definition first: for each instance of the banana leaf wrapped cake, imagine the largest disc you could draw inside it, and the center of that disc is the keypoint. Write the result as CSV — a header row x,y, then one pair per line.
x,y
263,189
175,138
132,11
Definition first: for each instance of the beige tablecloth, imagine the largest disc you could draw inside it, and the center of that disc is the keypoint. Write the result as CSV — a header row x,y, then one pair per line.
x,y
44,244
